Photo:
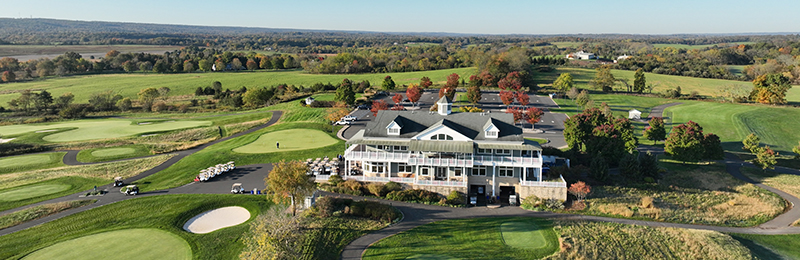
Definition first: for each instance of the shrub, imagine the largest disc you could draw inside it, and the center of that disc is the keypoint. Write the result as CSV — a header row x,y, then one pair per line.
x,y
392,186
373,210
74,111
353,185
422,196
533,203
554,204
647,202
326,206
159,106
455,198
376,189
335,180
599,168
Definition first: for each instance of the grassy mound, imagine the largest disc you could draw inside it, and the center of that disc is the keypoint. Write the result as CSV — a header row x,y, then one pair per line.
x,y
99,128
32,191
31,162
166,213
113,152
145,243
523,235
290,140
478,238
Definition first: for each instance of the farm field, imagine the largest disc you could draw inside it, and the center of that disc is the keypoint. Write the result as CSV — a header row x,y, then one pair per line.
x,y
289,140
165,213
620,104
31,162
733,122
90,129
128,85
144,243
478,238
25,52
695,47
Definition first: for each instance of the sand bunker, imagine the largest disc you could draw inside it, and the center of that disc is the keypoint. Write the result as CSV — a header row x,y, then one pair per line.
x,y
219,218
5,140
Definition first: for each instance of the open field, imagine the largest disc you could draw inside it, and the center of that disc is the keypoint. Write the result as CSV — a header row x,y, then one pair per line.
x,y
695,47
289,140
128,85
477,238
167,213
705,87
620,104
733,122
90,129
31,162
597,240
28,52
693,194
144,243
28,187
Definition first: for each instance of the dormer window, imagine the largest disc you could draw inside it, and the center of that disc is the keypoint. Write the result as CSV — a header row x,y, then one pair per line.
x,y
393,129
490,130
491,134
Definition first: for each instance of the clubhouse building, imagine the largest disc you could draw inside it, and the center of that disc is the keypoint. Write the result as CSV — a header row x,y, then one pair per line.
x,y
480,154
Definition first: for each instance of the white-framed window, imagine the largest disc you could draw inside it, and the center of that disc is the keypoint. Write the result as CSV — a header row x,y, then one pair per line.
x,y
441,137
394,131
377,167
479,171
484,151
424,171
400,148
503,171
404,167
502,151
491,134
457,172
380,147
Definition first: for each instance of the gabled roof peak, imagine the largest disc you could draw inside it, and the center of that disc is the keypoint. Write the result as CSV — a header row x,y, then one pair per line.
x,y
444,100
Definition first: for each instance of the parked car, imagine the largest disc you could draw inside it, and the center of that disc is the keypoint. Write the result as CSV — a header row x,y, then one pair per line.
x,y
382,93
363,107
349,118
342,122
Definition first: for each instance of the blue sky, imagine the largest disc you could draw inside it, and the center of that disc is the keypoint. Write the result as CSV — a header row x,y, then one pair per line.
x,y
485,17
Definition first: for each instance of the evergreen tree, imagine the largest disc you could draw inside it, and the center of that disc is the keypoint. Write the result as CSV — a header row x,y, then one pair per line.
x,y
648,165
629,166
656,131
639,81
388,84
599,168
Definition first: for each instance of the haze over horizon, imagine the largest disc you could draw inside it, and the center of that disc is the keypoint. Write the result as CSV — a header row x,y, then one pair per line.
x,y
467,17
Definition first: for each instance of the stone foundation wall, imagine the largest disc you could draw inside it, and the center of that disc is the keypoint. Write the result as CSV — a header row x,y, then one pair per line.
x,y
559,193
444,191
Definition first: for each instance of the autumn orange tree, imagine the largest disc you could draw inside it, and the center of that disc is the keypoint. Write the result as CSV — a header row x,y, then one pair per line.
x,y
507,97
378,105
523,98
770,89
414,93
397,98
335,114
533,115
517,113
449,88
580,190
289,180
425,82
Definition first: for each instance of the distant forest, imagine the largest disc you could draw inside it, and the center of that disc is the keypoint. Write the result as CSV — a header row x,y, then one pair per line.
x,y
233,48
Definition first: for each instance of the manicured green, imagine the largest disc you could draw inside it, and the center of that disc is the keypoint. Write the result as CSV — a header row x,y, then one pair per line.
x,y
290,140
429,257
141,243
109,154
112,152
91,129
776,126
476,238
163,212
128,85
31,162
32,191
771,246
523,235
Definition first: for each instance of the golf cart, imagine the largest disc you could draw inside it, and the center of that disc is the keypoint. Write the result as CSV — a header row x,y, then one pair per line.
x,y
130,190
237,188
118,182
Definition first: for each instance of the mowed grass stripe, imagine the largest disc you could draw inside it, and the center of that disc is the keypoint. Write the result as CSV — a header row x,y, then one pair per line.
x,y
113,152
290,140
144,243
523,235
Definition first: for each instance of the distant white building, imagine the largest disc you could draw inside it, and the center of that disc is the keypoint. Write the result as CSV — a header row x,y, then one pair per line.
x,y
621,58
581,55
634,114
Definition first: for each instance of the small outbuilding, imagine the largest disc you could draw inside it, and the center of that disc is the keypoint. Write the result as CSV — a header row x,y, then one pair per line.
x,y
634,114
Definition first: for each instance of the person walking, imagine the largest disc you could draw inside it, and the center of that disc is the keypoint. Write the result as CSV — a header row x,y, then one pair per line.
x,y
277,145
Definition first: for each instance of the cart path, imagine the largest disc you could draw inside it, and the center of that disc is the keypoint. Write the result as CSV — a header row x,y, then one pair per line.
x,y
113,196
658,111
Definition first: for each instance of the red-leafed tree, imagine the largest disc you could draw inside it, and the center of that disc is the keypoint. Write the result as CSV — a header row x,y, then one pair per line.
x,y
507,97
517,113
425,82
452,81
523,98
378,105
447,91
397,98
487,79
512,81
580,190
533,115
414,93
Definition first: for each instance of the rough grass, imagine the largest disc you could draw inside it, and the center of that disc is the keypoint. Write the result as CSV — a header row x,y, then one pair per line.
x,y
478,238
325,238
788,183
31,162
79,178
112,152
733,122
597,240
688,194
37,212
128,85
91,129
290,140
166,212
144,243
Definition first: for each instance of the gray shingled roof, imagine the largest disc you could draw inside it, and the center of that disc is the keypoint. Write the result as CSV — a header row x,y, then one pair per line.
x,y
470,125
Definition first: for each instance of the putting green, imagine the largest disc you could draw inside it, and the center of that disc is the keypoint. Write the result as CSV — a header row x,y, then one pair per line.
x,y
32,191
290,140
523,235
120,244
111,152
24,160
99,128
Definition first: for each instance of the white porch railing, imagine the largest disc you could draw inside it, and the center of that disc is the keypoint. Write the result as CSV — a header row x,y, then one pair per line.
x,y
507,160
442,183
439,161
556,184
401,180
322,177
407,180
359,155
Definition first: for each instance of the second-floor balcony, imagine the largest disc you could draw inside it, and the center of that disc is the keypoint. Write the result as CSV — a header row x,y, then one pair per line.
x,y
506,160
452,183
377,156
433,161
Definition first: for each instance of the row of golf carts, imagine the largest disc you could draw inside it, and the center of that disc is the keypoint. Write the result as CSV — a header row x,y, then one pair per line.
x,y
216,170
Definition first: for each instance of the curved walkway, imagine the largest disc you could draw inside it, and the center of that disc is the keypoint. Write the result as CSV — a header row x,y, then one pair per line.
x,y
112,196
